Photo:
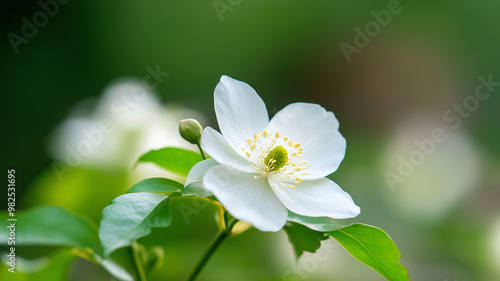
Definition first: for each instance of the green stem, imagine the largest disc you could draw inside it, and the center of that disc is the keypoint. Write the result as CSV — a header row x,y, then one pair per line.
x,y
201,151
139,271
210,251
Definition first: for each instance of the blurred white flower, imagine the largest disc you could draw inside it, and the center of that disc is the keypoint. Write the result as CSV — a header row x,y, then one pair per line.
x,y
432,176
126,122
267,167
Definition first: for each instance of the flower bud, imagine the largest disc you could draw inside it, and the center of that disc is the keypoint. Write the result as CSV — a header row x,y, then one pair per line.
x,y
190,130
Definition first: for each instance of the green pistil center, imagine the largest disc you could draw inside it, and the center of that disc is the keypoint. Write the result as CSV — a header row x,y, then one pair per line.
x,y
276,158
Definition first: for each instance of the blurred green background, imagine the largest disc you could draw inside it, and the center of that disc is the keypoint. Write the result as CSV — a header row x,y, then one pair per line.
x,y
444,217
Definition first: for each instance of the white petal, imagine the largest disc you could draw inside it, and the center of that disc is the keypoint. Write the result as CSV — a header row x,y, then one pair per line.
x,y
316,198
247,199
240,111
317,131
216,146
199,170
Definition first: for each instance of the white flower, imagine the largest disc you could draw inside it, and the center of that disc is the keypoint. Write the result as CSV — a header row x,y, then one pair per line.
x,y
262,168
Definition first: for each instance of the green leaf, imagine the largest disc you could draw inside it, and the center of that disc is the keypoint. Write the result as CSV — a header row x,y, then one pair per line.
x,y
176,160
373,247
131,216
196,189
322,224
52,226
55,226
303,238
156,185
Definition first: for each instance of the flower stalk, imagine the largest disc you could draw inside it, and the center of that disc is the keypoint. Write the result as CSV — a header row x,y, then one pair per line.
x,y
136,261
221,236
201,151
